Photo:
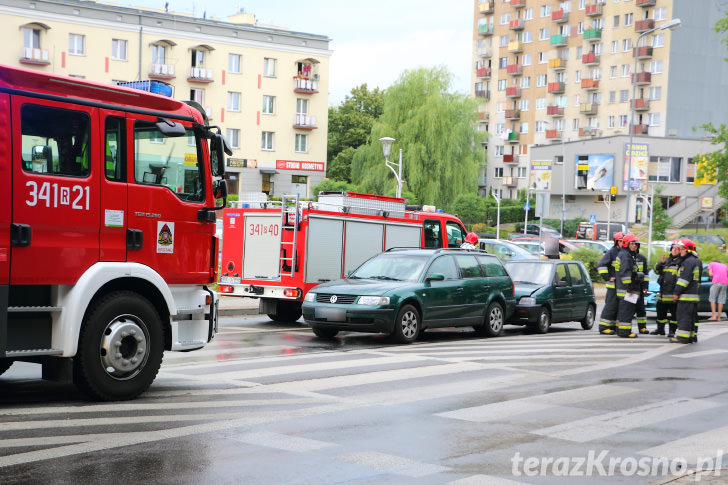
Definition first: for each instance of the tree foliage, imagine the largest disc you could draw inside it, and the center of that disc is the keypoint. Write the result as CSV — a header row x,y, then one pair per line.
x,y
436,132
349,127
660,220
328,185
714,165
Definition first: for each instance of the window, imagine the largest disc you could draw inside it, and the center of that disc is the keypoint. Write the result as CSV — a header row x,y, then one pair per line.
x,y
626,68
612,72
541,103
690,171
197,95
577,77
623,121
114,151
55,141
580,28
523,128
118,49
75,44
525,82
540,126
301,106
171,168
545,10
526,60
541,81
628,18
596,73
575,124
500,128
197,58
658,40
655,93
612,97
159,54
301,143
502,62
542,58
654,119
656,67
502,84
523,104
528,14
623,95
543,34
269,67
615,46
626,45
266,184
527,37
610,122
445,265
505,19
266,141
522,172
233,101
615,22
234,63
664,169
659,13
503,41
232,135
498,172
269,105
499,150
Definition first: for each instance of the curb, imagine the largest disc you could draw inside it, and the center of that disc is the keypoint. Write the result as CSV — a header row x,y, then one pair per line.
x,y
229,312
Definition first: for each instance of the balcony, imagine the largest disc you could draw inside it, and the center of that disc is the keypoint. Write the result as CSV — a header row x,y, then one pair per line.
x,y
590,59
513,137
642,78
555,111
305,122
586,131
305,86
513,92
517,24
200,75
588,108
38,57
515,46
554,135
593,35
485,52
559,40
560,16
483,117
485,29
486,7
509,158
483,72
640,104
556,88
645,3
513,114
161,71
518,3
590,84
639,129
514,69
644,52
593,10
644,25
557,64
510,181
481,93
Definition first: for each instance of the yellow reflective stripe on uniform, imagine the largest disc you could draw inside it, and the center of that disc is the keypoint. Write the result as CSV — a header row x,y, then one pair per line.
x,y
627,280
621,293
682,282
683,333
691,297
625,326
610,285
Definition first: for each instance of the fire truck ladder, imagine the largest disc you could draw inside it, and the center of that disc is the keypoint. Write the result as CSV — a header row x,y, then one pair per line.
x,y
289,216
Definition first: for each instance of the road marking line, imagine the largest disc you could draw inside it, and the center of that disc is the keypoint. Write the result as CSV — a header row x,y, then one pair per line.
x,y
392,464
709,444
702,353
485,480
588,429
282,441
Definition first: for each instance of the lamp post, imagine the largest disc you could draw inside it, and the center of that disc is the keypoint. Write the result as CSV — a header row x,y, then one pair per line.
x,y
563,179
672,25
387,149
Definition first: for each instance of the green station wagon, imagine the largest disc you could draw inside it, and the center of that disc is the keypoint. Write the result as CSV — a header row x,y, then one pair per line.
x,y
404,291
552,291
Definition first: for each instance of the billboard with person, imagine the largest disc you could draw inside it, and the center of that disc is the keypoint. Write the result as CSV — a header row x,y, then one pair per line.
x,y
540,176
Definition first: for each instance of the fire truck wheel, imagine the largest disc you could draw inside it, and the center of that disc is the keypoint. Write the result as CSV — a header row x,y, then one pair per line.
x,y
407,326
323,332
286,312
5,365
494,319
120,347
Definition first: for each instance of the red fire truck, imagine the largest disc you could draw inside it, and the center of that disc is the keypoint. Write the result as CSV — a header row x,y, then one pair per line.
x,y
107,229
277,251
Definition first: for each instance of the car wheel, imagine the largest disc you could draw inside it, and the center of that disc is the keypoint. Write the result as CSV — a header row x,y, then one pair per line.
x,y
494,320
323,332
588,322
407,325
544,321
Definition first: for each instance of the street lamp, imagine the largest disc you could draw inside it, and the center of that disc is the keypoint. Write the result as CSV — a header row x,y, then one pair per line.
x,y
672,25
563,179
387,149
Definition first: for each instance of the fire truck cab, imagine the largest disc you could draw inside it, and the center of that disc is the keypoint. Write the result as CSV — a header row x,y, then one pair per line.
x,y
107,230
278,251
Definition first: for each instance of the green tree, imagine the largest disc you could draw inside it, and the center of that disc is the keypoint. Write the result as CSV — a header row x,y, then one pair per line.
x,y
328,185
660,220
714,165
349,127
435,130
470,208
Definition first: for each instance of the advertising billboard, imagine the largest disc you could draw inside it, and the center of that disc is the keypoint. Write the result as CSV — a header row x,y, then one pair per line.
x,y
540,176
640,156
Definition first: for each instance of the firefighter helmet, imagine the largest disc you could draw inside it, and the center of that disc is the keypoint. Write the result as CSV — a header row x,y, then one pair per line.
x,y
471,238
617,237
629,238
688,244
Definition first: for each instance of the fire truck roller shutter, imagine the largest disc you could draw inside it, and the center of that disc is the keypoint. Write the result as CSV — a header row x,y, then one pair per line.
x,y
262,246
363,240
403,236
325,240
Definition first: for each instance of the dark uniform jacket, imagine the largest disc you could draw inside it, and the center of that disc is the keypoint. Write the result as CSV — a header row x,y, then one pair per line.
x,y
688,282
606,267
667,275
641,269
626,273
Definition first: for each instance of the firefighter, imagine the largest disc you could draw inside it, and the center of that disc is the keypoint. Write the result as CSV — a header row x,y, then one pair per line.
x,y
470,241
640,311
687,293
607,270
628,285
667,269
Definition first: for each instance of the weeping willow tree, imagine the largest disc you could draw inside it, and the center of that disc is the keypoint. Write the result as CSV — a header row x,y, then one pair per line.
x,y
435,129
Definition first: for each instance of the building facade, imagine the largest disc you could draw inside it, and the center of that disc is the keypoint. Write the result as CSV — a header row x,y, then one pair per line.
x,y
265,87
569,79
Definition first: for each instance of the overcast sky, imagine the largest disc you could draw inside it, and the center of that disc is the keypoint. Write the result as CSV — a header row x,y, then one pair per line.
x,y
373,41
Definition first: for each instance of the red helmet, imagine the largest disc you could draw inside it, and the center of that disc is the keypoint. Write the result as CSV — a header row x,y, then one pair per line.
x,y
471,238
688,244
618,236
628,239
676,243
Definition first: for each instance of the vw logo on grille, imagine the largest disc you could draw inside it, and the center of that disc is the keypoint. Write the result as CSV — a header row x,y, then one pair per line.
x,y
333,299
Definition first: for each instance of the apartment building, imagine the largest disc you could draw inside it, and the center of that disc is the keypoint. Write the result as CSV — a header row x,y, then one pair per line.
x,y
266,87
561,81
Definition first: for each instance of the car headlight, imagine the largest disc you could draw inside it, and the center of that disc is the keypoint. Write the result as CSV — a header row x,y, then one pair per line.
x,y
527,300
310,296
373,300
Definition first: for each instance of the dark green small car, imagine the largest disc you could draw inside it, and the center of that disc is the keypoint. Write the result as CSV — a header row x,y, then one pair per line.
x,y
404,291
552,291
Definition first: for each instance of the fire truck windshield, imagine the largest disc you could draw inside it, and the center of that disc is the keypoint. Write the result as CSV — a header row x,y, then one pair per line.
x,y
388,266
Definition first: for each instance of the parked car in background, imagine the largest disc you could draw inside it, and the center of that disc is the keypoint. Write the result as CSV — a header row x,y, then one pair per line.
x,y
536,229
534,247
599,231
703,293
600,246
552,291
402,292
565,247
661,246
713,239
505,250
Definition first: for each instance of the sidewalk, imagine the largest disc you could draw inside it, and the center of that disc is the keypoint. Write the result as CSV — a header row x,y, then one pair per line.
x,y
237,305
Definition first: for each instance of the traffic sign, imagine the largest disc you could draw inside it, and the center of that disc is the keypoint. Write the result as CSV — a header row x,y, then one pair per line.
x,y
592,218
526,206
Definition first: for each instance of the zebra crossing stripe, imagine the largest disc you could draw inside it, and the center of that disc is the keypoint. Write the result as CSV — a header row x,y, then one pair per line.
x,y
392,464
588,429
700,446
485,480
690,355
282,441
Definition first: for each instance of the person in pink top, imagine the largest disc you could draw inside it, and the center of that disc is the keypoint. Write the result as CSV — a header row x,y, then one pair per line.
x,y
719,272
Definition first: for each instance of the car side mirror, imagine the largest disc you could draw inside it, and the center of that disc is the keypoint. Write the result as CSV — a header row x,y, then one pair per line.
x,y
561,284
435,277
